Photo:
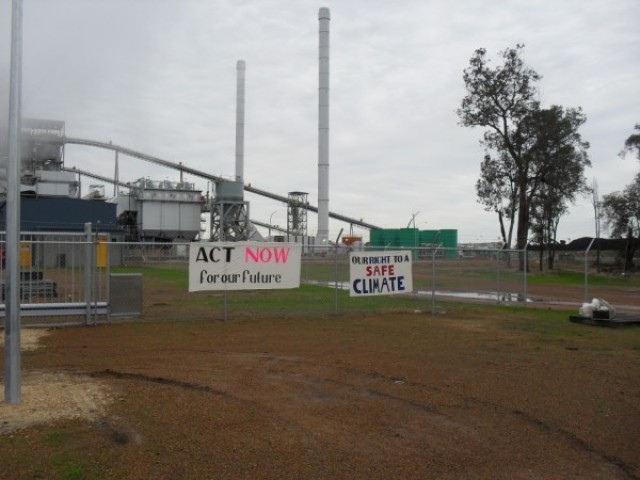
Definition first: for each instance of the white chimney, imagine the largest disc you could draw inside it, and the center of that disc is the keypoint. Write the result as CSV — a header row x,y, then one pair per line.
x,y
322,238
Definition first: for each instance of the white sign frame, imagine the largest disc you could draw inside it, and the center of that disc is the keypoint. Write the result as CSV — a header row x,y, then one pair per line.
x,y
380,273
244,266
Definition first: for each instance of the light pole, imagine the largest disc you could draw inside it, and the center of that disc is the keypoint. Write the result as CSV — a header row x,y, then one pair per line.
x,y
413,219
270,217
415,233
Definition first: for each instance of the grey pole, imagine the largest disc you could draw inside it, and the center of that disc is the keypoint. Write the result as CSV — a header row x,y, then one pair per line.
x,y
526,259
498,260
12,378
433,279
336,271
87,271
586,271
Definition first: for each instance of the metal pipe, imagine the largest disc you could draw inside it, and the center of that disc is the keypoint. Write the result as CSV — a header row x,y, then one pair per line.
x,y
324,17
116,178
198,173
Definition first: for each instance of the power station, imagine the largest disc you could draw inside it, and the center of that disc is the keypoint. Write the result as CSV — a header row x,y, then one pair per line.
x,y
148,209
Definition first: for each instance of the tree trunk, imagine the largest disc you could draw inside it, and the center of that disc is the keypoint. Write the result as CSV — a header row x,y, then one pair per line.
x,y
630,250
511,224
552,235
505,244
541,257
523,227
552,255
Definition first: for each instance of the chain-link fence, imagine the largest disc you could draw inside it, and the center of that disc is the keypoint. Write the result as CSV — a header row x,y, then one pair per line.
x,y
84,278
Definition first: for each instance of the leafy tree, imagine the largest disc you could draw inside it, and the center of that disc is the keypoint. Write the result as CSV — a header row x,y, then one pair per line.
x,y
622,209
534,158
622,213
500,98
557,157
632,143
497,190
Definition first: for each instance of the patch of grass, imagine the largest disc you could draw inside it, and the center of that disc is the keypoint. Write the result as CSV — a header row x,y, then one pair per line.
x,y
553,326
577,279
307,298
71,467
537,321
72,472
68,450
177,277
55,438
323,300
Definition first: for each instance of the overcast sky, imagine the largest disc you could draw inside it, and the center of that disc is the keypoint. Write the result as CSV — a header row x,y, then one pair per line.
x,y
159,76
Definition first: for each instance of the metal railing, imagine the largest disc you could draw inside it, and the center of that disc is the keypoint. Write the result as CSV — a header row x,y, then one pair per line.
x,y
61,274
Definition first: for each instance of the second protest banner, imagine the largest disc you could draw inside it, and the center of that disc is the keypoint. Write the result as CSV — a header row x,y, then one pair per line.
x,y
380,273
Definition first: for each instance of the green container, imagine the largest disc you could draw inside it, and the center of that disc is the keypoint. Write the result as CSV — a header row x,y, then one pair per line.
x,y
376,238
428,236
449,239
408,237
391,238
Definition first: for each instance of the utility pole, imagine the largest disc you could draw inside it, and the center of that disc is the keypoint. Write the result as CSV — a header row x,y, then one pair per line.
x,y
12,379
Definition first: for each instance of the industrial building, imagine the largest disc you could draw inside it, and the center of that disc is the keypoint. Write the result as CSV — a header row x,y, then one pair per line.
x,y
160,211
150,210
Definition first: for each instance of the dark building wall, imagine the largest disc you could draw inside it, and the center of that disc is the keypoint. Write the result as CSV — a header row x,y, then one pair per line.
x,y
63,214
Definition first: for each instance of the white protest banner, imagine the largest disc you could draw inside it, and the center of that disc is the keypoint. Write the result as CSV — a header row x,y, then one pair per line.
x,y
380,273
243,266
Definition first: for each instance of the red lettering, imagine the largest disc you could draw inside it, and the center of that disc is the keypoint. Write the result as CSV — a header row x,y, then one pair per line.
x,y
380,270
281,254
266,255
248,252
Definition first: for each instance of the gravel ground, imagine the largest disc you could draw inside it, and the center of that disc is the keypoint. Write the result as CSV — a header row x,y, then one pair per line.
x,y
398,395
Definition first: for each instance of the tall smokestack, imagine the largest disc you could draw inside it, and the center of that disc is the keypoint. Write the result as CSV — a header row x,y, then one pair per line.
x,y
324,16
241,67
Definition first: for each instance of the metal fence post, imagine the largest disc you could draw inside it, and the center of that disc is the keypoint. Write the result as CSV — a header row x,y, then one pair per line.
x,y
586,272
526,267
498,261
336,271
433,281
87,284
107,275
335,258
